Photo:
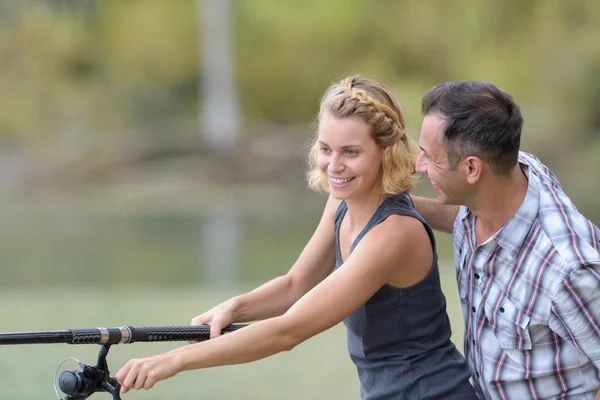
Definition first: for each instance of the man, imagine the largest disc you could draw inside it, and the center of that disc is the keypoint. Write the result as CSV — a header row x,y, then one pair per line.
x,y
527,262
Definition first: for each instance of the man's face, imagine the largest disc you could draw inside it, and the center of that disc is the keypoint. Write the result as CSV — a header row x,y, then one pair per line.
x,y
450,185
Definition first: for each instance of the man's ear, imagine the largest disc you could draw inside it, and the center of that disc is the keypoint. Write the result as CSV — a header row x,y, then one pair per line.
x,y
473,168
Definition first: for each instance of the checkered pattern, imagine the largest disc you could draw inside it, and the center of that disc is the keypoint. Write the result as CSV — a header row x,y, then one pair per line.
x,y
531,297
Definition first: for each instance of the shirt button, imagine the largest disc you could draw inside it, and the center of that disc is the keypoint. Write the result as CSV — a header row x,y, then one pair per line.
x,y
501,309
473,308
476,275
473,342
477,374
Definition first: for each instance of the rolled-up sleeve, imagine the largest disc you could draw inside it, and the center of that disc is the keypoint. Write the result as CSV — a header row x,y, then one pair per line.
x,y
576,311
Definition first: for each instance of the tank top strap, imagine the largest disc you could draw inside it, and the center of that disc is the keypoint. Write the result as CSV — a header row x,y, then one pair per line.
x,y
339,215
400,204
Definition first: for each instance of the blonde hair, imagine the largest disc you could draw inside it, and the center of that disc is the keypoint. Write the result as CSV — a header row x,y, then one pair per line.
x,y
376,105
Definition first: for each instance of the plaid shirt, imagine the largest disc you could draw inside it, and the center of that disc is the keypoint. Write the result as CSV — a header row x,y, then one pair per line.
x,y
531,297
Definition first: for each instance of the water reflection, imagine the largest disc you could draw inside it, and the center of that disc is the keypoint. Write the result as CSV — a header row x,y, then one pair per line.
x,y
221,246
224,247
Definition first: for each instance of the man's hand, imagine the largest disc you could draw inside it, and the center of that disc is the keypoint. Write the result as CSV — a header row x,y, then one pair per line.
x,y
597,396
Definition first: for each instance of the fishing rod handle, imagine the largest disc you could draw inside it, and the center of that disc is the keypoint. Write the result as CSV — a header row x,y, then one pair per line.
x,y
123,334
130,334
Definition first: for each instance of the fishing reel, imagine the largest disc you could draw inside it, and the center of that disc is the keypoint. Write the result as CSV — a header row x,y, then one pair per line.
x,y
82,383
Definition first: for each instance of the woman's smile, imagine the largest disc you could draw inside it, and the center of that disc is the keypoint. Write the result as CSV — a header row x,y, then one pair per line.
x,y
340,182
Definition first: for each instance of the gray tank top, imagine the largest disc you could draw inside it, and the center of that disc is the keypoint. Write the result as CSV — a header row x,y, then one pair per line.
x,y
399,339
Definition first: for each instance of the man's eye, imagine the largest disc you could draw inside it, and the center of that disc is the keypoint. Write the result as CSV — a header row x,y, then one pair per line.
x,y
351,152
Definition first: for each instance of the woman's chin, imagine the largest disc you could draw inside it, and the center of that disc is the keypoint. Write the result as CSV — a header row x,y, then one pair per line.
x,y
339,194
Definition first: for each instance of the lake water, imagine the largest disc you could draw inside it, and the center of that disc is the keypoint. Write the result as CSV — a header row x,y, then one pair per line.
x,y
77,269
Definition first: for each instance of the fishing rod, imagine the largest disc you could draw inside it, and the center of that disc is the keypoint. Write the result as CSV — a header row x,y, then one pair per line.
x,y
82,383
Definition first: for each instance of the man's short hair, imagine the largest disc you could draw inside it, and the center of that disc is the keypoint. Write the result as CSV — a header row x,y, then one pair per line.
x,y
481,120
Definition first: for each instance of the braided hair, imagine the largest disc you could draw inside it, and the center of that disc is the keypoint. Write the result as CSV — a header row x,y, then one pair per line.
x,y
376,105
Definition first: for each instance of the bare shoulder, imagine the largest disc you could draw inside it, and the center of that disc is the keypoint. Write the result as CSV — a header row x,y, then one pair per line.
x,y
404,232
403,247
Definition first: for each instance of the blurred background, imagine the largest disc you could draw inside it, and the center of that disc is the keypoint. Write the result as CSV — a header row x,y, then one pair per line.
x,y
152,156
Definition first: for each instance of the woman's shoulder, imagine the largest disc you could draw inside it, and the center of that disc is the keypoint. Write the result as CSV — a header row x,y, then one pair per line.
x,y
400,220
401,230
400,204
402,242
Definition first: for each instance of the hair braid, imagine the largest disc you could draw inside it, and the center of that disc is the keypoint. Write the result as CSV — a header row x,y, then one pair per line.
x,y
375,104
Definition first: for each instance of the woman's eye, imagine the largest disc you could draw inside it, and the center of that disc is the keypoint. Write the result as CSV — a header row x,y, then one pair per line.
x,y
325,150
351,152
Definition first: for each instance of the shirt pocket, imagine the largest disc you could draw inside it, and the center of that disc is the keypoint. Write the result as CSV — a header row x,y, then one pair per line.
x,y
509,325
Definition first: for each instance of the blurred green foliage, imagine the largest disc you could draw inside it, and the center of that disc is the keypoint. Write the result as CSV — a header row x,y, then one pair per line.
x,y
88,72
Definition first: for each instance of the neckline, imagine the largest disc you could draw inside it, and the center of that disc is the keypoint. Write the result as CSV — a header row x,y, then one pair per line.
x,y
360,235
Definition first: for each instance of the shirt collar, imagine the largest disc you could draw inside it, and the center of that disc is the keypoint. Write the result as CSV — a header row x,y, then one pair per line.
x,y
512,235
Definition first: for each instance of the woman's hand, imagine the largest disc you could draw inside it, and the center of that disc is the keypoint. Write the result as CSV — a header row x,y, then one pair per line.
x,y
218,318
143,373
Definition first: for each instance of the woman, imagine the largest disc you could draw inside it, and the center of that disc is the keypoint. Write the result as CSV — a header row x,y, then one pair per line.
x,y
370,263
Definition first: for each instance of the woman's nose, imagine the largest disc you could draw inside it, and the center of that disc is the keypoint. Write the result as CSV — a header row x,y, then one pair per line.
x,y
335,164
420,164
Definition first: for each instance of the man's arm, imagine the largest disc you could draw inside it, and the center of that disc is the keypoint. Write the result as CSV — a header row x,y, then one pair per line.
x,y
439,216
576,312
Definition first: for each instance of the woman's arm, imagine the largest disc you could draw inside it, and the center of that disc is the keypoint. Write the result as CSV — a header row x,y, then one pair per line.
x,y
368,268
314,264
439,216
275,297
